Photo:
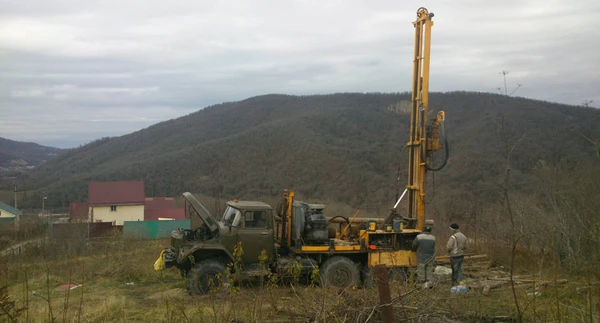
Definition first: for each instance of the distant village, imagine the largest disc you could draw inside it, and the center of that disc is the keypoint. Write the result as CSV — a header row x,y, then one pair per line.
x,y
16,168
120,206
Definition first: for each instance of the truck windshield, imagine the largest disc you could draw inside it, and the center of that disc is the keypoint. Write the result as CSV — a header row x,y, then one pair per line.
x,y
231,217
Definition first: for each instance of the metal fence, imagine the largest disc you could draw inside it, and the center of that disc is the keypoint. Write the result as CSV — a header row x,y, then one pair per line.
x,y
152,229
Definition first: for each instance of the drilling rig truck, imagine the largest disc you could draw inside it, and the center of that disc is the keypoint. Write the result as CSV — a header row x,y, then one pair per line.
x,y
298,234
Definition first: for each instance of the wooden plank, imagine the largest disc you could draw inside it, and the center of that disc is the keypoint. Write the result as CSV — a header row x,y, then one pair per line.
x,y
469,257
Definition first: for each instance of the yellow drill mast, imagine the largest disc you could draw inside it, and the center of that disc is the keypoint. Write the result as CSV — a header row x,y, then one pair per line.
x,y
423,139
421,143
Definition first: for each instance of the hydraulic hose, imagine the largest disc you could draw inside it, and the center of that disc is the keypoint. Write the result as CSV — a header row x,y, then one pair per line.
x,y
446,151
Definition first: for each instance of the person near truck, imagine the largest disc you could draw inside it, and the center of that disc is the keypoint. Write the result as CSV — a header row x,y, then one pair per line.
x,y
424,245
456,246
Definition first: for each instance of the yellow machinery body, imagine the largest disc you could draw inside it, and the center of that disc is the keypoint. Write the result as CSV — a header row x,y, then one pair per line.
x,y
386,246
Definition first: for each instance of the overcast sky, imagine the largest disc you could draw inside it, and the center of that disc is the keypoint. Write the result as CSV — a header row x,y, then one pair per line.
x,y
72,71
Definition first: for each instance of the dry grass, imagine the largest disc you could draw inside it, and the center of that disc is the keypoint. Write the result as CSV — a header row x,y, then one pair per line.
x,y
120,285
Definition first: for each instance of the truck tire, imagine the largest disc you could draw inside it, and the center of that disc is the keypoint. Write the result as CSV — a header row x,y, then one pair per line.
x,y
340,272
206,275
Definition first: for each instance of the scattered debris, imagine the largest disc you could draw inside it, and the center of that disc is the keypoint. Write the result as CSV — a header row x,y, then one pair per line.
x,y
460,289
442,271
65,287
484,277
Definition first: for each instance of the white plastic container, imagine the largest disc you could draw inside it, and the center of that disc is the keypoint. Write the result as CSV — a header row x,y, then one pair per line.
x,y
460,289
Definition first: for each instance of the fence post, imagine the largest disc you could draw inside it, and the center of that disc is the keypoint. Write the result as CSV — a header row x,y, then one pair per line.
x,y
385,298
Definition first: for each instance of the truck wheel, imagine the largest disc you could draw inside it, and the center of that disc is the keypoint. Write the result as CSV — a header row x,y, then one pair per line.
x,y
340,272
207,275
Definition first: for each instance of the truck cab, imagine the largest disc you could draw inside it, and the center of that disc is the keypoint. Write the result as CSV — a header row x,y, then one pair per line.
x,y
251,224
202,253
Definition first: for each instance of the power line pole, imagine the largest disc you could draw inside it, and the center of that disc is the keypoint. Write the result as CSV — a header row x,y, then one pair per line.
x,y
17,216
15,196
515,90
505,89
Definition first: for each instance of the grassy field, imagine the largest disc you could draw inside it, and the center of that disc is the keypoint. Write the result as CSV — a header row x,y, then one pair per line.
x,y
118,284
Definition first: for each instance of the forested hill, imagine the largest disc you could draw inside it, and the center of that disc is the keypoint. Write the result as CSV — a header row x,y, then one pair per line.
x,y
17,154
345,147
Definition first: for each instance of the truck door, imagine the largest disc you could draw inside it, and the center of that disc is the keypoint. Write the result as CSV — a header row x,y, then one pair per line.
x,y
256,234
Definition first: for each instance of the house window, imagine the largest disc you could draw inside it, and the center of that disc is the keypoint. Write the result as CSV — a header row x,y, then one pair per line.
x,y
113,208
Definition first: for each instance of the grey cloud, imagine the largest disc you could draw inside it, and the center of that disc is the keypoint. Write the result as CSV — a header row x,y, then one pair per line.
x,y
69,68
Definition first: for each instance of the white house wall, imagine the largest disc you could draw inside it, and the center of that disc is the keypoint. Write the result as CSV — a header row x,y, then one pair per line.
x,y
6,214
123,213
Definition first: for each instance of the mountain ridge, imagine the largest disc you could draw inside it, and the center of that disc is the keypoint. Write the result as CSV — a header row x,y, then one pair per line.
x,y
346,147
18,155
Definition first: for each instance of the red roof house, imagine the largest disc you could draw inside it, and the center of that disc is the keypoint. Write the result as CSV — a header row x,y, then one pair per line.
x,y
116,202
79,211
159,203
116,193
166,214
162,208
